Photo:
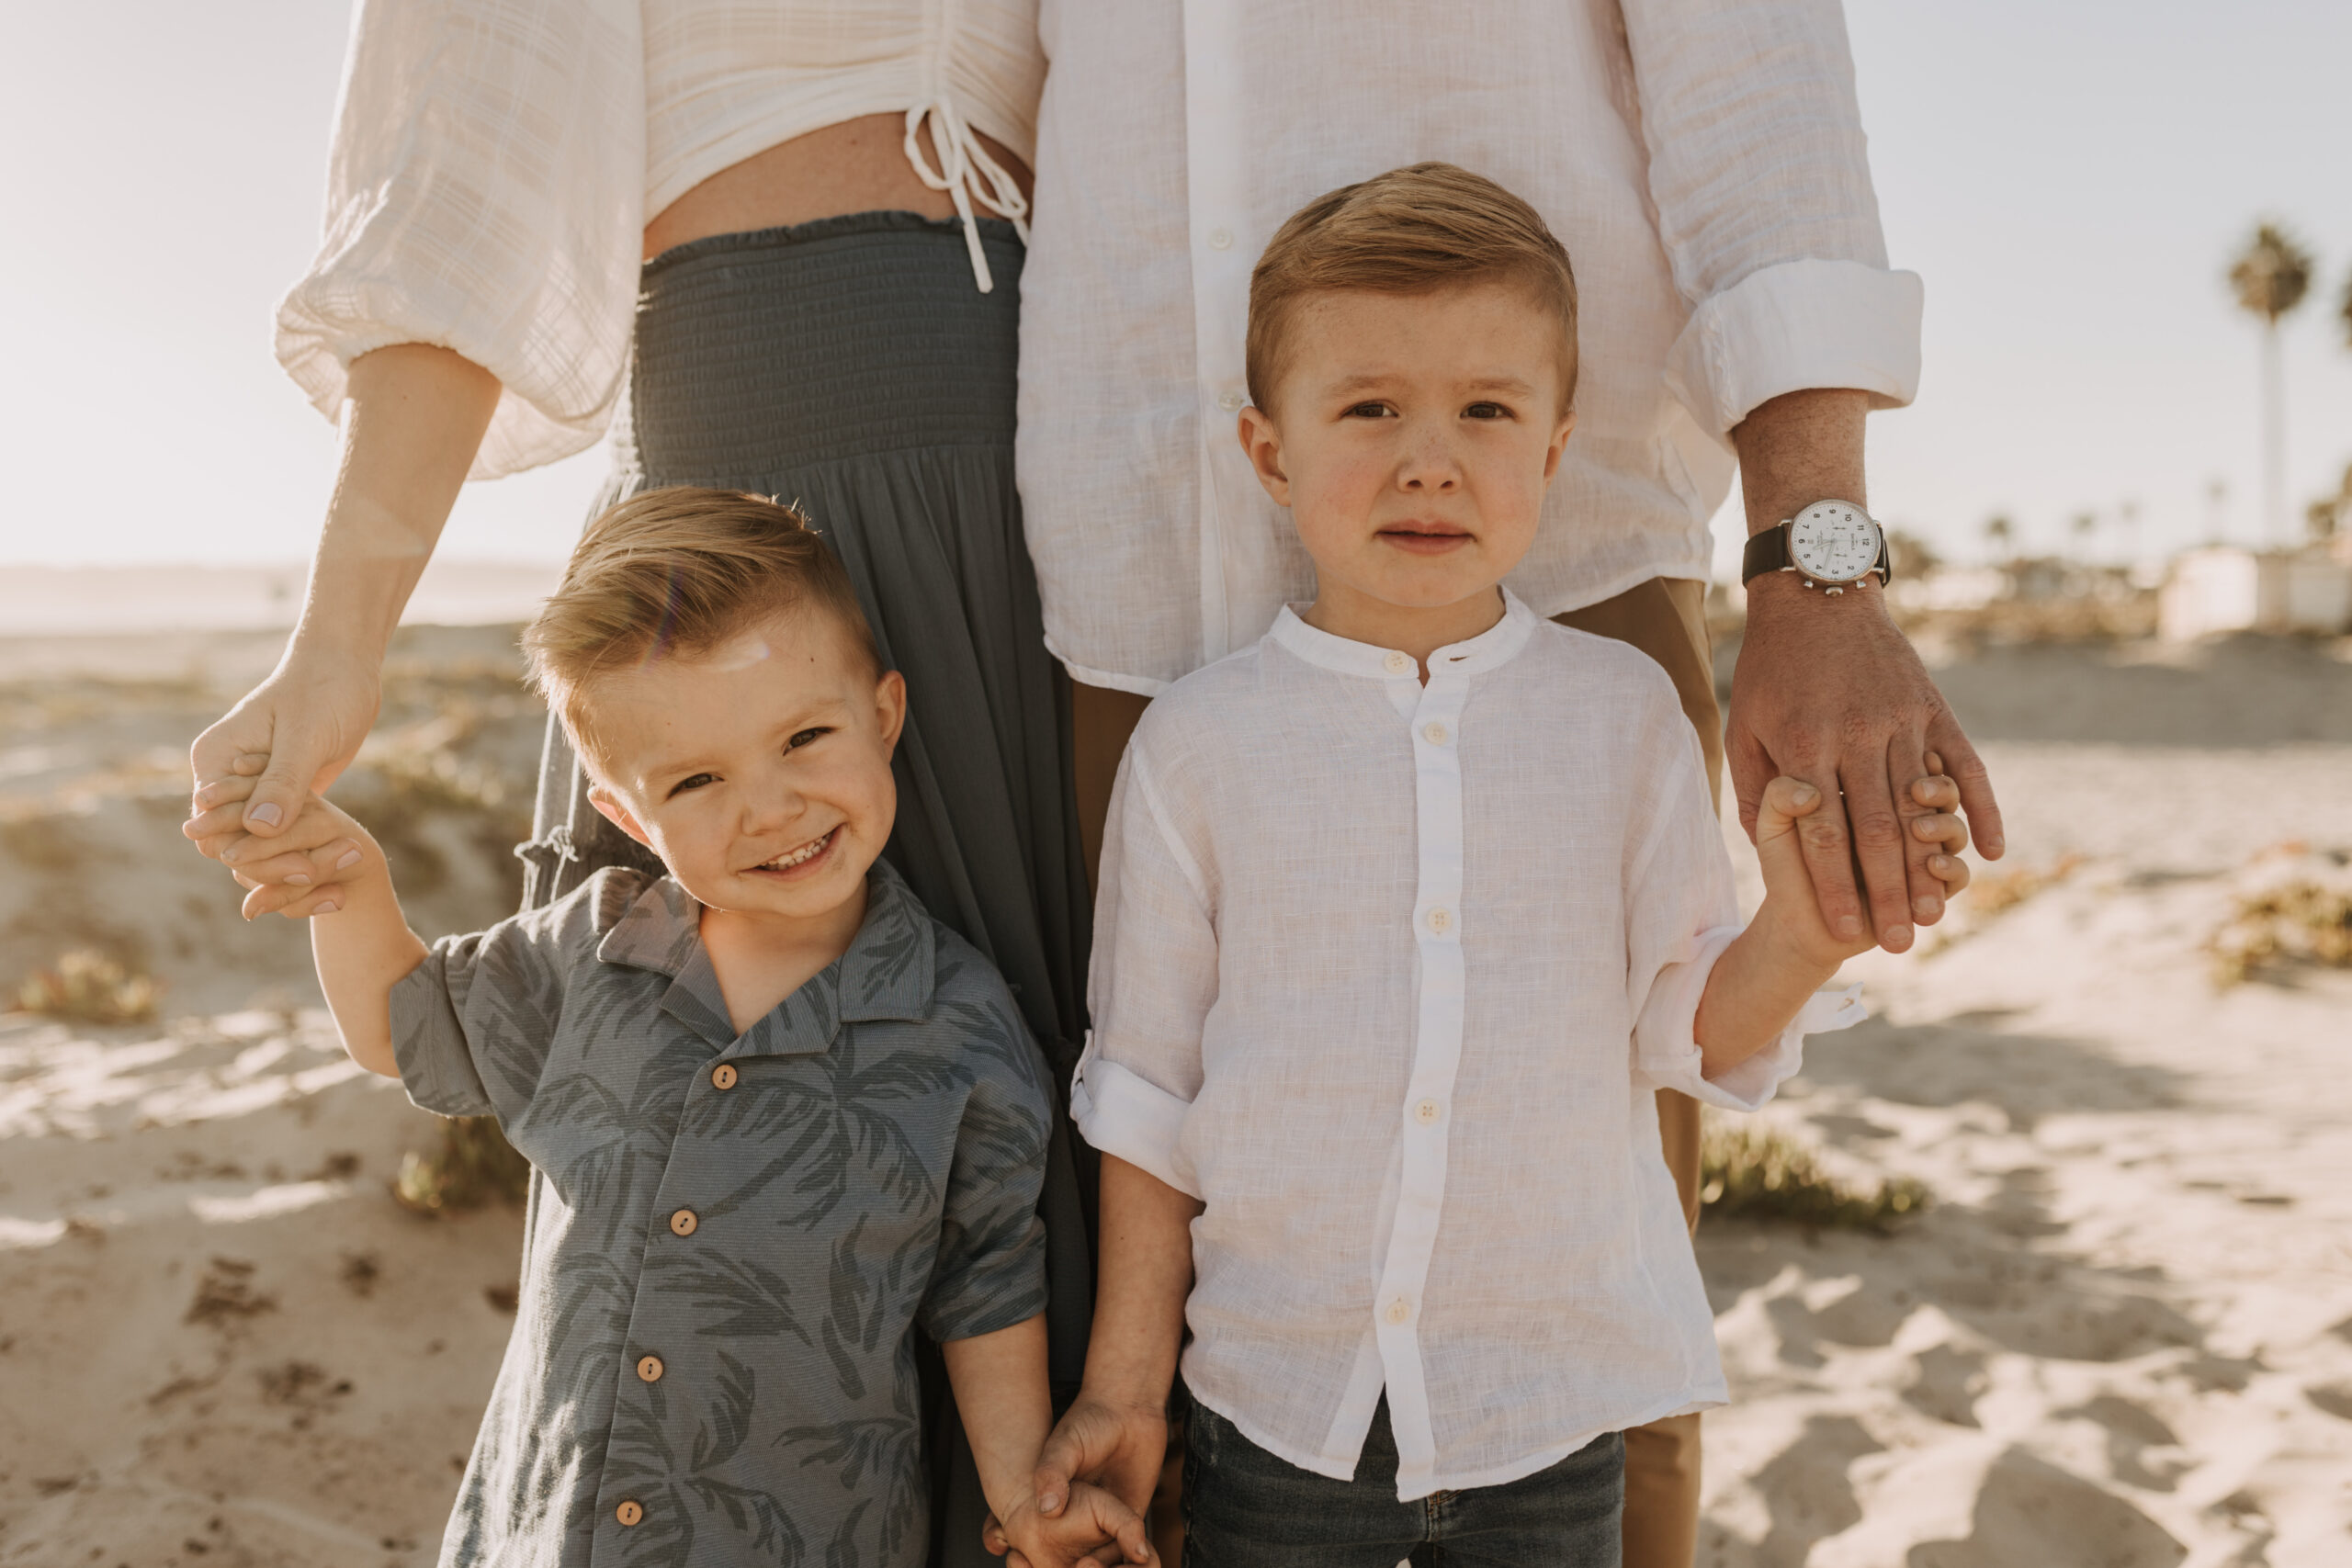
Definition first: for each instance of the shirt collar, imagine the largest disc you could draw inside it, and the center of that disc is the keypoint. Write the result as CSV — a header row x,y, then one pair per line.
x,y
1490,649
887,973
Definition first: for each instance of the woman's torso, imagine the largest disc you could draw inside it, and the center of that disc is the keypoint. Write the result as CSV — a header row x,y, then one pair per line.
x,y
760,113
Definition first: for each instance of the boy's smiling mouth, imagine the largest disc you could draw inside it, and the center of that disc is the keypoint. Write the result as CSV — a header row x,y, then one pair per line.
x,y
796,862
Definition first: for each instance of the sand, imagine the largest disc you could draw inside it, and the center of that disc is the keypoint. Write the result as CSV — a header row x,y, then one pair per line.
x,y
2120,1334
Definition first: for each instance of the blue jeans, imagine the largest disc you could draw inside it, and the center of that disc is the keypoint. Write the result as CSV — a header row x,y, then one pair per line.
x,y
1245,1508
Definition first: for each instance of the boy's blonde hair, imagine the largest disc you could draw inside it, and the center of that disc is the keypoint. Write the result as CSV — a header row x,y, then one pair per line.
x,y
679,570
1407,232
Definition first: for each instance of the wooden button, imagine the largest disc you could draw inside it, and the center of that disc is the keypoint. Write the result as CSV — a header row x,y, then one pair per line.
x,y
628,1513
723,1076
683,1223
649,1367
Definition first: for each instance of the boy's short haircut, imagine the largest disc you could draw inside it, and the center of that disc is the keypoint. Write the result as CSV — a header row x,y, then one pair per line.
x,y
1407,232
679,570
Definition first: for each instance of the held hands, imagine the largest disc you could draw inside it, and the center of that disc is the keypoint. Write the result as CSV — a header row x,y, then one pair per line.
x,y
312,865
1793,831
1830,692
1097,1444
289,738
1090,1526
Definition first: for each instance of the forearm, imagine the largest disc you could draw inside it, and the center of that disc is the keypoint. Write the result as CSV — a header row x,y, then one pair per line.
x,y
412,420
1146,1274
1000,1383
362,951
1760,983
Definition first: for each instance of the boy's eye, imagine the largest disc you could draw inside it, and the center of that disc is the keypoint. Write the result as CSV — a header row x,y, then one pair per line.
x,y
692,780
803,738
1486,410
1369,410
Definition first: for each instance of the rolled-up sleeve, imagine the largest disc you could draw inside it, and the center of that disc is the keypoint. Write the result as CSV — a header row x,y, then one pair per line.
x,y
472,1024
1761,181
1153,981
1681,913
485,193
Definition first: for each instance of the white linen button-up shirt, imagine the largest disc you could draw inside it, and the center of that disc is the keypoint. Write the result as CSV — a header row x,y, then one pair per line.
x,y
1384,974
1703,160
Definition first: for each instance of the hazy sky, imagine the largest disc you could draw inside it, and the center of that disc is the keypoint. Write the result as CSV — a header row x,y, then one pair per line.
x,y
2069,178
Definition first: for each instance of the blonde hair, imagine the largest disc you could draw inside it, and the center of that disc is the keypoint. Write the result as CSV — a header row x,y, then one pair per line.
x,y
675,571
1410,231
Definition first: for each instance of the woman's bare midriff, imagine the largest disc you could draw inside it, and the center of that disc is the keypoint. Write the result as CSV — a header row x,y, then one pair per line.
x,y
859,166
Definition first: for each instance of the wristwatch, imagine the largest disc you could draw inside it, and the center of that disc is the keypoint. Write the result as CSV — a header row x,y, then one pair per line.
x,y
1832,545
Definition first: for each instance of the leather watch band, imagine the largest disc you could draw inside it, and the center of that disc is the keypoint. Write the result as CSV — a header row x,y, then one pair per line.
x,y
1769,551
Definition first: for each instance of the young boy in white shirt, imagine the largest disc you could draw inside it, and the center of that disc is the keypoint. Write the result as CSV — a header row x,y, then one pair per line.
x,y
1404,913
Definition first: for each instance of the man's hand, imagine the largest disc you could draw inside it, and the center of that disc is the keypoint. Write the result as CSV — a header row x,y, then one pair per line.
x,y
1830,691
1090,1526
291,734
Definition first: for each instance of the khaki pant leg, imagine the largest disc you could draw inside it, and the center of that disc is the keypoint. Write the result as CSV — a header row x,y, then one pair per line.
x,y
1666,618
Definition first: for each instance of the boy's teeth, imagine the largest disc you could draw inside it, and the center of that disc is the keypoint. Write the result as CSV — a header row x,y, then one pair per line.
x,y
806,853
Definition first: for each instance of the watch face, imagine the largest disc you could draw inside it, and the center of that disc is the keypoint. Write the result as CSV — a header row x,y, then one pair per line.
x,y
1833,541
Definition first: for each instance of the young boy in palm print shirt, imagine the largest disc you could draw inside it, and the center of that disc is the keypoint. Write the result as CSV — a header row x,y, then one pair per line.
x,y
778,1118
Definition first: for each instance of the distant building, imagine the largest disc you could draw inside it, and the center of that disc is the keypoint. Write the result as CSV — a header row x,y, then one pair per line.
x,y
2227,588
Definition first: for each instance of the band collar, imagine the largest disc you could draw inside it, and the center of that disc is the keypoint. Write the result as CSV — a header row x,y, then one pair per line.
x,y
1490,649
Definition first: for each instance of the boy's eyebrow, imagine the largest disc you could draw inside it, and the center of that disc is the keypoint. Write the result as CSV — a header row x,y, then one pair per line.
x,y
1365,380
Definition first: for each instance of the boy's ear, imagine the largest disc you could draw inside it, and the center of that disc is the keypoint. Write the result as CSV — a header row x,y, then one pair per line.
x,y
1263,444
606,801
1559,444
890,706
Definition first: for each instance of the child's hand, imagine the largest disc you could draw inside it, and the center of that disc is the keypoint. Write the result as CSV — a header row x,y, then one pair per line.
x,y
311,868
1788,813
1093,1527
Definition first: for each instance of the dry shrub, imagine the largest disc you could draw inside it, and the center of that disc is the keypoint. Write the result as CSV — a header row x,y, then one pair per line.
x,y
474,1164
2303,920
1752,1170
1990,896
89,988
397,794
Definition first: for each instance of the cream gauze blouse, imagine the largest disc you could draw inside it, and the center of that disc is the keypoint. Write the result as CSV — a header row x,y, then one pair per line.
x,y
495,163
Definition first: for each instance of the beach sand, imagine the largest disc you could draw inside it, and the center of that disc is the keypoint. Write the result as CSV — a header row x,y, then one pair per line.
x,y
2122,1334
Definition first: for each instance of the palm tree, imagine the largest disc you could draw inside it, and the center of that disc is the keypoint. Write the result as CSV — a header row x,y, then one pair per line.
x,y
2270,277
2086,523
1998,531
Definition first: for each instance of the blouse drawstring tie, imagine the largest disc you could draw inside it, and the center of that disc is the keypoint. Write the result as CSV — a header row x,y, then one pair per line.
x,y
966,172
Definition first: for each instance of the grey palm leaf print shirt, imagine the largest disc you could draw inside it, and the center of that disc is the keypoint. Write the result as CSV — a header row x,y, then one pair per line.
x,y
729,1240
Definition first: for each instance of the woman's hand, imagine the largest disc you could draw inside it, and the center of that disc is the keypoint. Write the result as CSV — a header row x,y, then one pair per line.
x,y
290,736
1119,1447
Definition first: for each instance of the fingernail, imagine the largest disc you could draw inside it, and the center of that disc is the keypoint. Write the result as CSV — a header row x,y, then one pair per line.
x,y
1926,906
350,858
1850,925
266,816
298,880
326,908
1896,937
1804,795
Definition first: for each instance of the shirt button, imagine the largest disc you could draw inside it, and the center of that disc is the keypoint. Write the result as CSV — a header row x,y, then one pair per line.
x,y
1229,401
1398,663
683,1223
628,1513
1427,1112
1434,733
1220,239
1400,1310
723,1076
649,1369
1440,921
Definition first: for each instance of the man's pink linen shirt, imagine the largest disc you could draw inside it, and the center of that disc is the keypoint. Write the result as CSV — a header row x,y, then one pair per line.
x,y
1385,975
1702,160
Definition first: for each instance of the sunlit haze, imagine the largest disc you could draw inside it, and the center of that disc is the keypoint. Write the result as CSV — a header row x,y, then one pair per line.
x,y
2069,179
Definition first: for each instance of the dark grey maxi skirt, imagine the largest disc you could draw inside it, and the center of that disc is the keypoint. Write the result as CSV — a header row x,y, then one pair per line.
x,y
851,366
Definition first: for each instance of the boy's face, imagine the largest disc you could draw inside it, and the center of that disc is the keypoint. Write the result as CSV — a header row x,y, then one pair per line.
x,y
1412,437
759,772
